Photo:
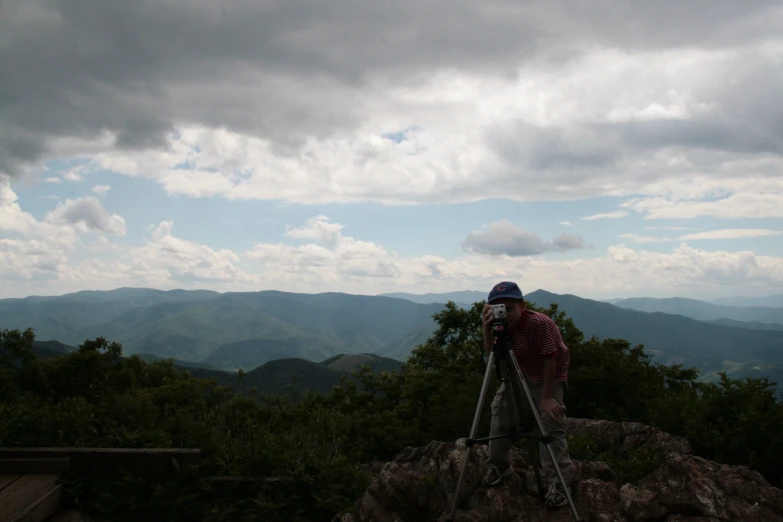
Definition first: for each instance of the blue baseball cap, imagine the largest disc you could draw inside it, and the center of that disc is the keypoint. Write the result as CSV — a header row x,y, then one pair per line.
x,y
507,290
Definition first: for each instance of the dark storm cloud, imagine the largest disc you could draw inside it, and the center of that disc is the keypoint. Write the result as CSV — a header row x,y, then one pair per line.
x,y
741,114
504,238
287,69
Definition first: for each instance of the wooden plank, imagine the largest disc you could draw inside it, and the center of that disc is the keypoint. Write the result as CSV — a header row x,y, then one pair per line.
x,y
7,479
46,506
34,466
146,462
24,492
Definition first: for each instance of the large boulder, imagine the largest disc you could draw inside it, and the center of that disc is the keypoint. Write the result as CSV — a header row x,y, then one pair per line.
x,y
419,484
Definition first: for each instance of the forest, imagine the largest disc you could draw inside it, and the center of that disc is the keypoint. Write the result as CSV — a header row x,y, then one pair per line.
x,y
318,446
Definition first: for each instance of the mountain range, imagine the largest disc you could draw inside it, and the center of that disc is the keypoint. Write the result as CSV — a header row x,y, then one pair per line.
x,y
229,330
208,331
704,311
275,377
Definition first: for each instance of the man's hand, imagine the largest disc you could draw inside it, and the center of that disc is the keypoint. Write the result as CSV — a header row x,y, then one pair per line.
x,y
486,318
550,407
486,327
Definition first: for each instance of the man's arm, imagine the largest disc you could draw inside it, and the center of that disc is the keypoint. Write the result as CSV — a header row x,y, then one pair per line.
x,y
548,347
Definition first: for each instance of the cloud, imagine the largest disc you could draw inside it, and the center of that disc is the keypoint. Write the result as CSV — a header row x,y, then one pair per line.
x,y
29,248
566,223
40,253
75,174
736,206
14,220
167,259
619,271
607,215
101,190
505,238
43,262
87,214
344,259
670,228
41,258
320,229
279,101
729,233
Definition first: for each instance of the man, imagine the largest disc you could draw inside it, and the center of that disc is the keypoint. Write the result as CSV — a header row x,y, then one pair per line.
x,y
543,358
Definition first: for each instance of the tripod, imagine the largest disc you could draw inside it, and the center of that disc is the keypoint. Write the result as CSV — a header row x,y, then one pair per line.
x,y
501,356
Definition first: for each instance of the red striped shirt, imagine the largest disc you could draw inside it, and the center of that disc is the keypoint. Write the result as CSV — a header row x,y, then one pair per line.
x,y
536,338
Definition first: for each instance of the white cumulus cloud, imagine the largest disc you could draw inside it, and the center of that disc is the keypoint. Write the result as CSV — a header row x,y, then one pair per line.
x,y
607,215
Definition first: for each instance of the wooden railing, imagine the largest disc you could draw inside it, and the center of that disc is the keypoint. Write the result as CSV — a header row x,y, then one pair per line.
x,y
156,463
28,488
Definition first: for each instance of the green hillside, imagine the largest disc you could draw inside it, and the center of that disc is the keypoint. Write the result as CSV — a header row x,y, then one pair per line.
x,y
148,357
377,317
252,353
192,325
248,329
186,330
278,377
350,363
283,375
52,317
401,347
753,325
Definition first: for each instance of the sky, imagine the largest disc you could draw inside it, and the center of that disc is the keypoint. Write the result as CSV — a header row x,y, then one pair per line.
x,y
605,149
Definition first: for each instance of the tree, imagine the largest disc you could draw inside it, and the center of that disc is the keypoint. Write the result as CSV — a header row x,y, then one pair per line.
x,y
16,347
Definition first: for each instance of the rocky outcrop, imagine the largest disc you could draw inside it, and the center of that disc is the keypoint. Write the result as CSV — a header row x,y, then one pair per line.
x,y
418,485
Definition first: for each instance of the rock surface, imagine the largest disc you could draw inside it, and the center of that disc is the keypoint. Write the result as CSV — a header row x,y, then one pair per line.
x,y
419,484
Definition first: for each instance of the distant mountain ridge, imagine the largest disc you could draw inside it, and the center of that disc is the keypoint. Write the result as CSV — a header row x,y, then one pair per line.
x,y
702,310
676,339
773,301
192,325
249,329
461,297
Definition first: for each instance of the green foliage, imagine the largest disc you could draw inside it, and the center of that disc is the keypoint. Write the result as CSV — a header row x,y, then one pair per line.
x,y
317,446
15,347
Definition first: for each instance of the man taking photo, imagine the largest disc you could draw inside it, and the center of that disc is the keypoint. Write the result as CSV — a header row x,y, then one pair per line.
x,y
543,357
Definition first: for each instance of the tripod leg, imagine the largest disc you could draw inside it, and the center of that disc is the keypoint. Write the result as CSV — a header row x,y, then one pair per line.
x,y
524,422
476,419
520,379
533,449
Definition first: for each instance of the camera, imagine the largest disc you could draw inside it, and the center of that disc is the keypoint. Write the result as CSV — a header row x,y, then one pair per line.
x,y
499,312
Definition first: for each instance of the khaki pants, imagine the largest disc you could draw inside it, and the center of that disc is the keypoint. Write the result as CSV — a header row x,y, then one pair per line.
x,y
503,416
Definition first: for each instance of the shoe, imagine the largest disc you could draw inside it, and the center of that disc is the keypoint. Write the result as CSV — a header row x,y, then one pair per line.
x,y
494,476
555,496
